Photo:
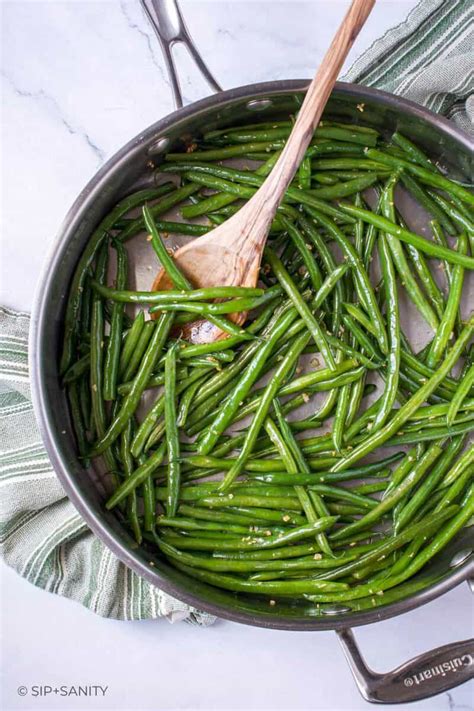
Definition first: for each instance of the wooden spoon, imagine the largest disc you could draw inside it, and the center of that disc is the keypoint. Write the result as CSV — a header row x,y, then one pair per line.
x,y
230,255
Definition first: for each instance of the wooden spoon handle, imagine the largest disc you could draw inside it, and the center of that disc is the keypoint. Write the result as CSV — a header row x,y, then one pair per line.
x,y
319,92
270,194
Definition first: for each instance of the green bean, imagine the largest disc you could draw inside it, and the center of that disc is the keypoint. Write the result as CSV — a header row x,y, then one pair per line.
x,y
190,524
359,164
362,282
408,280
149,500
181,228
437,411
127,464
420,243
443,334
311,323
291,456
430,482
78,421
411,426
146,434
337,133
130,344
281,517
406,485
429,523
221,201
99,415
112,356
74,304
249,543
263,407
222,307
393,321
203,416
241,389
201,561
412,404
425,276
455,211
186,400
412,151
304,174
329,263
295,550
141,345
212,204
340,416
77,369
209,536
464,462
440,238
440,540
226,152
460,395
361,338
370,363
308,259
220,516
85,403
277,587
430,434
162,298
138,224
372,488
253,500
426,176
137,477
207,178
360,316
344,189
355,398
197,491
412,362
130,402
427,202
309,380
171,429
302,465
86,308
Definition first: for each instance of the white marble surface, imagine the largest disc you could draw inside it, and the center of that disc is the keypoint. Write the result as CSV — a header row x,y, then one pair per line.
x,y
80,79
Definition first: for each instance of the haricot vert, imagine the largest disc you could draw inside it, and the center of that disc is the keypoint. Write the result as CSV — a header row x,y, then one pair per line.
x,y
258,463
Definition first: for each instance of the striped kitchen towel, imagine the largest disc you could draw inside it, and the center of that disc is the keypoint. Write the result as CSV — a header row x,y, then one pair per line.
x,y
41,534
428,58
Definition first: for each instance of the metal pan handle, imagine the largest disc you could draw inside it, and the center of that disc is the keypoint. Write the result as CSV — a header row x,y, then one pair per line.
x,y
168,23
428,674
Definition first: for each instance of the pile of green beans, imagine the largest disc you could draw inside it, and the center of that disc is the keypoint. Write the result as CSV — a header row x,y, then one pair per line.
x,y
313,452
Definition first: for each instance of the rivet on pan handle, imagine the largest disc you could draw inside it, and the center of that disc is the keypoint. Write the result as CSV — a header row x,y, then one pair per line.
x,y
428,674
170,28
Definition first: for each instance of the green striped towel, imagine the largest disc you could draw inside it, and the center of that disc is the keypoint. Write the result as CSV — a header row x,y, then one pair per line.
x,y
41,534
427,58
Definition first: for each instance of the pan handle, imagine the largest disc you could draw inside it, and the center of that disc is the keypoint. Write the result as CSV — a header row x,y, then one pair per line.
x,y
428,674
168,23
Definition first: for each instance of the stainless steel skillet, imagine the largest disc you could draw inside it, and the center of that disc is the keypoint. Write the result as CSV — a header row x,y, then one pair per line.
x,y
419,678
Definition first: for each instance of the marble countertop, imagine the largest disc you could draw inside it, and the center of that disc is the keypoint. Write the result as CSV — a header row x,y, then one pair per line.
x,y
79,80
